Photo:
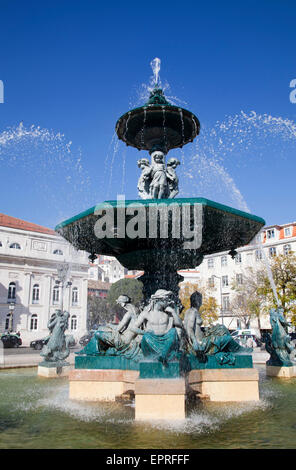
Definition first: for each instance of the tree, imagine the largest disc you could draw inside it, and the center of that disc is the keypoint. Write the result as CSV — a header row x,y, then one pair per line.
x,y
98,311
208,310
249,300
131,287
283,269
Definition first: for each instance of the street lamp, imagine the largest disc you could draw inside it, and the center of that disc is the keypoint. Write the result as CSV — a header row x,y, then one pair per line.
x,y
63,275
11,311
218,277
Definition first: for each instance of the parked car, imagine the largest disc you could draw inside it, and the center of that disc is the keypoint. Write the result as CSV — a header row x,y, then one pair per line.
x,y
11,340
39,343
85,339
242,339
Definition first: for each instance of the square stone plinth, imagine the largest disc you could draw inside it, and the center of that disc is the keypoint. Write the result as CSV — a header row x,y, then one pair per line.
x,y
100,385
222,385
281,372
53,372
157,399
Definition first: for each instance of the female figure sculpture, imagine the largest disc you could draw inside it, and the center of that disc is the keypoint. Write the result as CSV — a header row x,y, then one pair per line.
x,y
114,340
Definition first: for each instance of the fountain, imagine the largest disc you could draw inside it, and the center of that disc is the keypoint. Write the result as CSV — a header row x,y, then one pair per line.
x,y
154,354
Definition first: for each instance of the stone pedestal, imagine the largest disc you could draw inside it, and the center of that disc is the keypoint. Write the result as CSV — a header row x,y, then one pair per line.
x,y
222,385
280,371
157,399
54,371
100,385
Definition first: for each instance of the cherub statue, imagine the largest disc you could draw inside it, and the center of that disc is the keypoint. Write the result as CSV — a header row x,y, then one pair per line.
x,y
172,177
159,184
145,178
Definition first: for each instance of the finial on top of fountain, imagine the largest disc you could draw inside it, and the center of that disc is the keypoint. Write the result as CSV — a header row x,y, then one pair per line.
x,y
157,98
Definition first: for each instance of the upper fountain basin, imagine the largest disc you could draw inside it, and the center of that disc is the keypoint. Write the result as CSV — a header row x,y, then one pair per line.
x,y
157,124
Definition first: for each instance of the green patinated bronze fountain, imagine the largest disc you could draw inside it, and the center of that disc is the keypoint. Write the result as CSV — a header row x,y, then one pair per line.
x,y
160,235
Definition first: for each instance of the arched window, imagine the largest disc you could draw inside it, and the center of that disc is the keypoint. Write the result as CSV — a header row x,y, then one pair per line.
x,y
16,246
36,294
7,321
287,249
56,294
34,322
58,252
73,322
11,291
74,296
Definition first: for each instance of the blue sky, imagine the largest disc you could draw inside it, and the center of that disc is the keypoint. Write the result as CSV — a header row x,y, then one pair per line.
x,y
74,67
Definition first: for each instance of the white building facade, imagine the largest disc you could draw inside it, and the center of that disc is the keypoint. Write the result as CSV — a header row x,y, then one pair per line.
x,y
30,290
220,270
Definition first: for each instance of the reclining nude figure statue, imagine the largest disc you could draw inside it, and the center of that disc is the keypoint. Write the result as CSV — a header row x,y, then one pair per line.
x,y
114,340
161,318
215,340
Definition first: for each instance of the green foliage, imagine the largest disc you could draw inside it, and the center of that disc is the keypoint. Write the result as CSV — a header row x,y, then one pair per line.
x,y
98,311
283,268
208,310
131,287
249,300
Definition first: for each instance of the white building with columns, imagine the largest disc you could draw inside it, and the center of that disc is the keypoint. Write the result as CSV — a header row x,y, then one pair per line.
x,y
29,290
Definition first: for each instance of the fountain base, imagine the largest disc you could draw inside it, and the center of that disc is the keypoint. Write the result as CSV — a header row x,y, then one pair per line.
x,y
157,399
54,370
281,371
225,385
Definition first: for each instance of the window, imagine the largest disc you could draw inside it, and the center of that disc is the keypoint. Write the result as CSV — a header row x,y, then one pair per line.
x,y
211,282
36,293
74,296
239,279
258,255
11,291
238,258
34,322
270,233
258,238
73,322
224,281
58,252
210,263
225,302
56,294
7,321
0,243
287,231
223,260
16,246
272,251
287,249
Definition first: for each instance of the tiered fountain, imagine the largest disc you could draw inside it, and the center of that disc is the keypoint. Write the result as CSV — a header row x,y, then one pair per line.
x,y
161,359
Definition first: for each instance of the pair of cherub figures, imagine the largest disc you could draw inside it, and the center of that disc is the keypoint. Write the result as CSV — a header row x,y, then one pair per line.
x,y
158,181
